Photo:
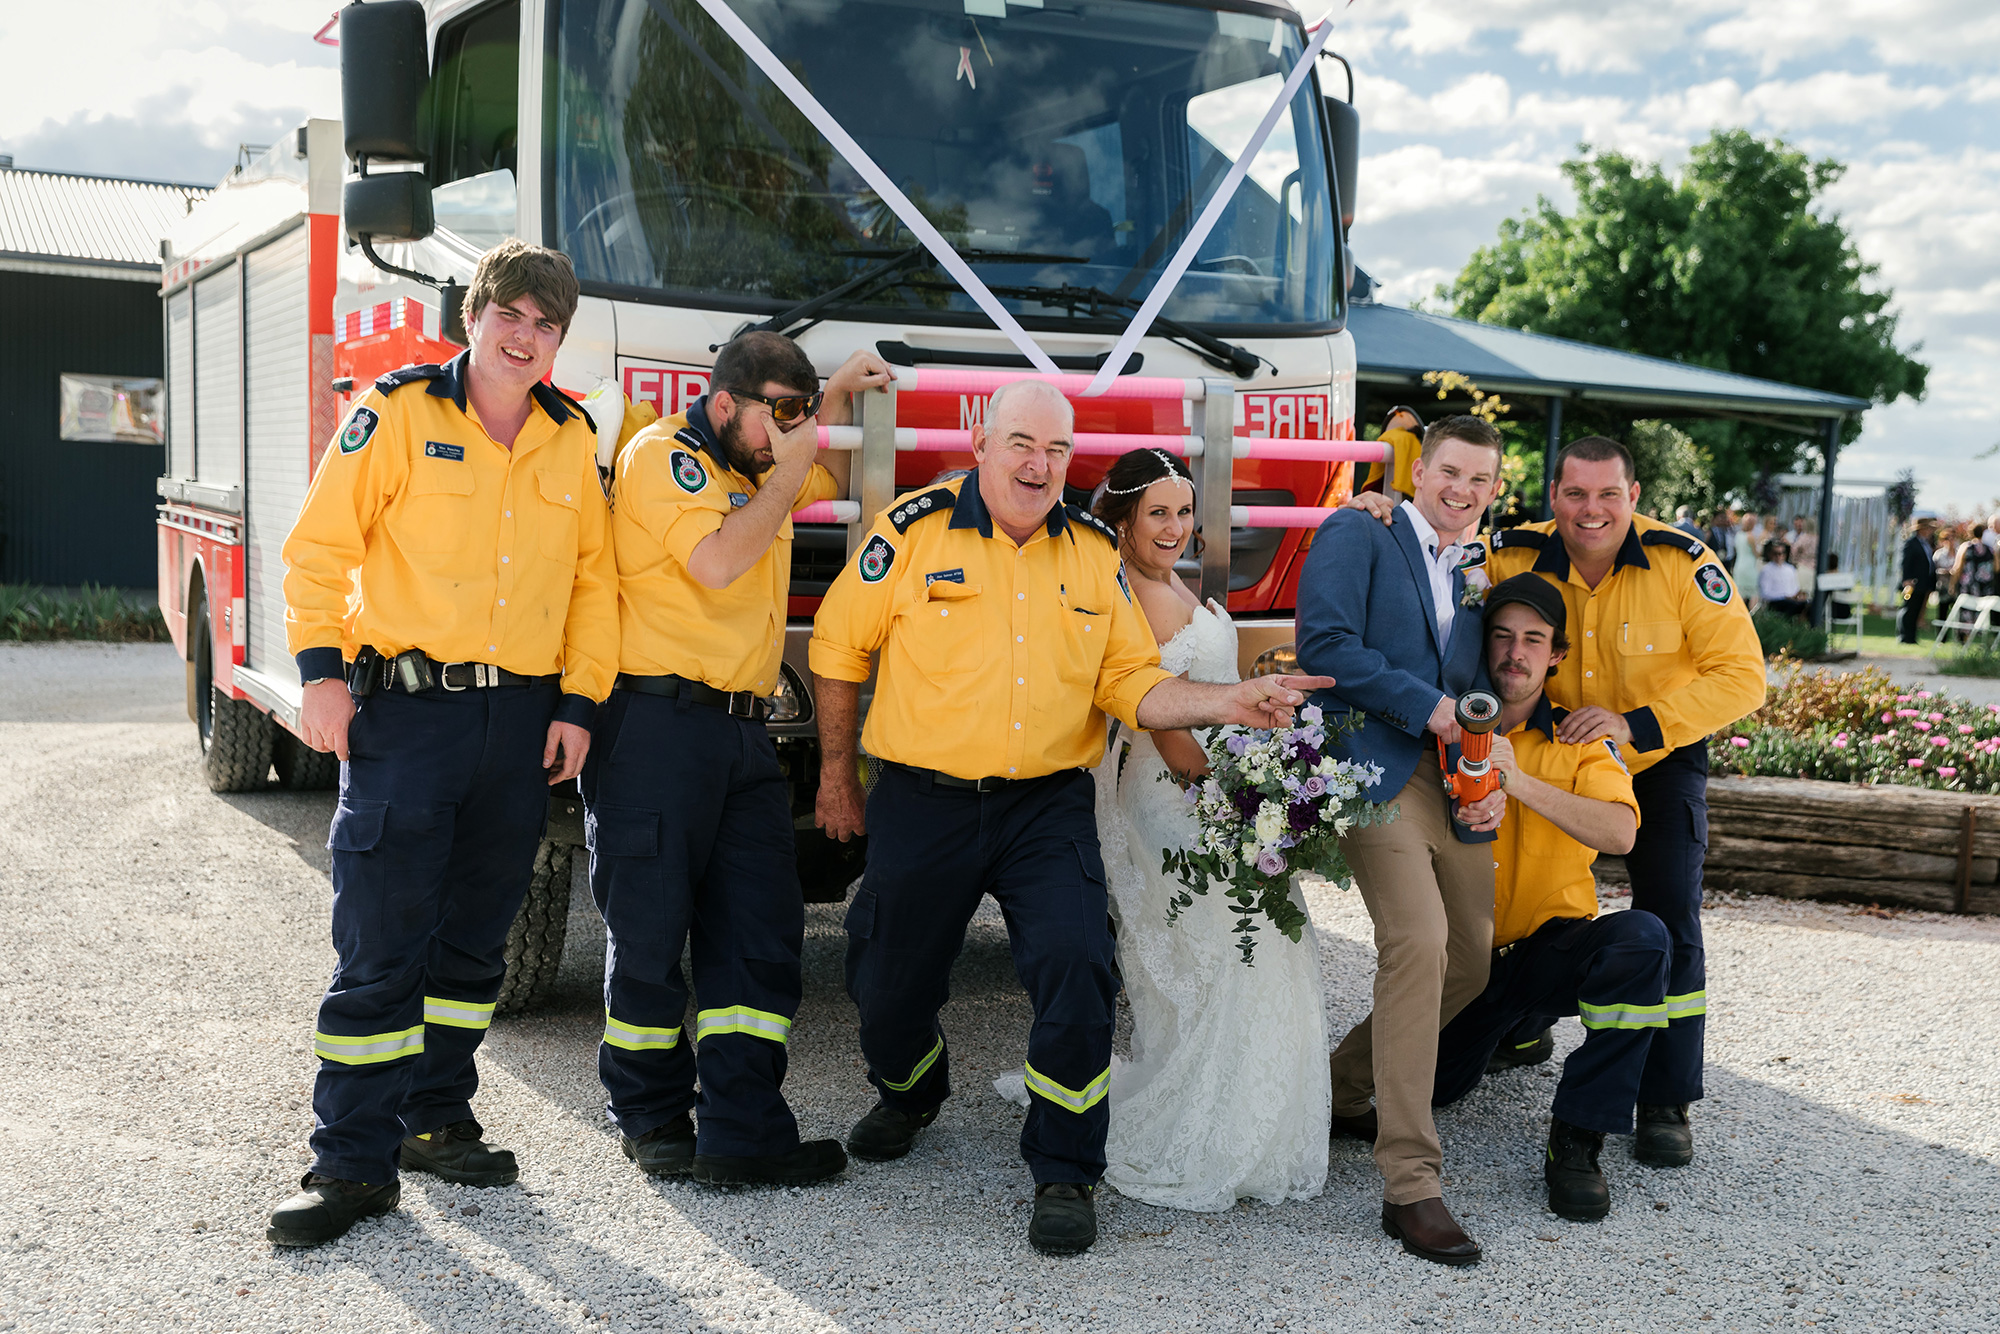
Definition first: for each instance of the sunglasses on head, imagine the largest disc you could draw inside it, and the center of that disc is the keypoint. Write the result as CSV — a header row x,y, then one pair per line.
x,y
786,408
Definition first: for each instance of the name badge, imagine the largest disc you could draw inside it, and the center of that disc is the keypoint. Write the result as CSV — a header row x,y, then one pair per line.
x,y
944,576
435,449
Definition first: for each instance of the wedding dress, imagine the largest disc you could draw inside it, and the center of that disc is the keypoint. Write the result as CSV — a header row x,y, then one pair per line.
x,y
1227,1095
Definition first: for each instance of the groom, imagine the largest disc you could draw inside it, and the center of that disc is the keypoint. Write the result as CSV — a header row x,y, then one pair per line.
x,y
1006,633
1386,611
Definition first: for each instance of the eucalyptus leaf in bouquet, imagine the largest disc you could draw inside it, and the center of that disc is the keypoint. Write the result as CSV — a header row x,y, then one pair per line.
x,y
1274,803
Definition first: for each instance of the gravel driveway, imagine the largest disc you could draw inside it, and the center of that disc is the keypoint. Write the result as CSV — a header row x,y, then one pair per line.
x,y
162,950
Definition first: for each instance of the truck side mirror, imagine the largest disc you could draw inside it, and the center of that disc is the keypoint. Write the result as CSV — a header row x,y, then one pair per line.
x,y
384,70
1343,123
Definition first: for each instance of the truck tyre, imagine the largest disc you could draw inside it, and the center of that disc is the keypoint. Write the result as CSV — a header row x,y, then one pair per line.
x,y
235,736
535,941
299,766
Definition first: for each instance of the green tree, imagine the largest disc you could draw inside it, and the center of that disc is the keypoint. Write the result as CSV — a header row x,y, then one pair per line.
x,y
1734,264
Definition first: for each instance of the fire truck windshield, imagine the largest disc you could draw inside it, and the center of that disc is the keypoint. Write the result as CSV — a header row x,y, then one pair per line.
x,y
1059,142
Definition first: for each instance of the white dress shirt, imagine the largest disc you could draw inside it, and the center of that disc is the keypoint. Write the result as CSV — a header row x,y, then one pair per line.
x,y
1777,581
1439,563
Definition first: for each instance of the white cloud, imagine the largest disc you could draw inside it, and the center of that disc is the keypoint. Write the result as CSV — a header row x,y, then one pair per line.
x,y
1419,178
1479,100
1898,32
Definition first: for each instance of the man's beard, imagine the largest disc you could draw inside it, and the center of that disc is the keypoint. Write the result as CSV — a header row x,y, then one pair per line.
x,y
1522,681
738,454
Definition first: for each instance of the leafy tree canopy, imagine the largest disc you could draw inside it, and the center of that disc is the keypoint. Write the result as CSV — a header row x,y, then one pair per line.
x,y
1732,265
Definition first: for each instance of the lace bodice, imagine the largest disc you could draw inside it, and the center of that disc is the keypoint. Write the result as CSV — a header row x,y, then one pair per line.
x,y
1205,648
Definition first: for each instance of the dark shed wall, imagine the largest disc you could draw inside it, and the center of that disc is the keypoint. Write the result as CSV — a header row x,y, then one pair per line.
x,y
70,512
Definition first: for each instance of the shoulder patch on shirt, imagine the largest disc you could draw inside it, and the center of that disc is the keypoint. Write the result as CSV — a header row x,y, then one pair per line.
x,y
1673,537
1519,537
1612,746
911,508
396,379
1123,586
875,559
945,577
1473,557
438,449
359,430
688,473
1078,514
1712,582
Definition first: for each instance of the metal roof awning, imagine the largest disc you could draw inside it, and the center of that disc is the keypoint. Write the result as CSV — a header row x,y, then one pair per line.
x,y
88,226
1396,346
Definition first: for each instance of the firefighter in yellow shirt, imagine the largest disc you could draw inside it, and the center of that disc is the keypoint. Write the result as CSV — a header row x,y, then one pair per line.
x,y
1006,633
1553,955
688,814
1662,654
451,602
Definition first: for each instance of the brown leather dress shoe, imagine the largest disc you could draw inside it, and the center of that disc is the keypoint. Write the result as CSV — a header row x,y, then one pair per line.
x,y
1429,1232
1356,1127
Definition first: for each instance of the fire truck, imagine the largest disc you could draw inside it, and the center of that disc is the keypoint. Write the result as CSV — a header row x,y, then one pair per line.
x,y
1063,148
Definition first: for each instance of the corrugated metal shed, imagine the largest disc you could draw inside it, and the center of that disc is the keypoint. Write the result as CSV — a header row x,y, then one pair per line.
x,y
88,226
1396,346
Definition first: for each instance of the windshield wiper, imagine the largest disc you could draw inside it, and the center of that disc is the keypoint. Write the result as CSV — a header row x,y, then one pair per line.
x,y
1239,361
886,274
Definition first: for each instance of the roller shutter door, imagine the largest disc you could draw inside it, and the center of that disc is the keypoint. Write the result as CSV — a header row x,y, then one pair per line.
x,y
277,366
180,384
218,380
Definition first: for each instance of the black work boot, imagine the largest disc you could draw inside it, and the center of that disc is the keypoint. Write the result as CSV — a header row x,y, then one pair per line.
x,y
814,1160
456,1153
886,1134
325,1207
1065,1221
1510,1054
1576,1183
663,1151
1664,1137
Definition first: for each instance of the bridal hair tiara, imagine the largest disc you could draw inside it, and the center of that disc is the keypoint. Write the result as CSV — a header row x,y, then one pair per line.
x,y
1166,461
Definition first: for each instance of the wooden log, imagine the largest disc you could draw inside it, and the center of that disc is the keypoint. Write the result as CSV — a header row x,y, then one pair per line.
x,y
1933,895
1735,822
1881,802
1843,861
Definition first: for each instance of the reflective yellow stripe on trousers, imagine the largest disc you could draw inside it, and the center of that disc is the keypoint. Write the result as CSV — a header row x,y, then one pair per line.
x,y
930,1059
1069,1099
1687,1006
370,1049
1622,1016
457,1013
637,1037
743,1019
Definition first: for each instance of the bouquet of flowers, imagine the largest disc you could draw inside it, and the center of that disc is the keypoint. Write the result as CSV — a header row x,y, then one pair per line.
x,y
1273,803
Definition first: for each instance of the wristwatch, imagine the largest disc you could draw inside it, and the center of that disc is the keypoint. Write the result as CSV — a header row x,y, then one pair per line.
x,y
317,680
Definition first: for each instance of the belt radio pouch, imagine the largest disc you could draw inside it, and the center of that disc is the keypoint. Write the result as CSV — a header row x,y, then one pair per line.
x,y
413,672
363,677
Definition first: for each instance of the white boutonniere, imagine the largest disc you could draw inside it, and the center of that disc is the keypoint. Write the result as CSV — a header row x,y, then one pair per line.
x,y
1476,584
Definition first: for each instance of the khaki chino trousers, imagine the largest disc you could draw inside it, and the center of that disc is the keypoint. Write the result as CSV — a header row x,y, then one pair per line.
x,y
1431,898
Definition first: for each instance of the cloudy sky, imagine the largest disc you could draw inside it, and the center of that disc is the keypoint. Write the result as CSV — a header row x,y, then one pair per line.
x,y
1468,108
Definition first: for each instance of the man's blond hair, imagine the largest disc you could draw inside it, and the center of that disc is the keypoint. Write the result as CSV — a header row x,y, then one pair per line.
x,y
514,269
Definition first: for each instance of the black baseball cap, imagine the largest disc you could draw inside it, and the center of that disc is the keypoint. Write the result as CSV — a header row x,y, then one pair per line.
x,y
1532,591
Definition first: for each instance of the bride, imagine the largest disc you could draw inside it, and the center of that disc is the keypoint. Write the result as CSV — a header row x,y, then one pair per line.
x,y
1226,1096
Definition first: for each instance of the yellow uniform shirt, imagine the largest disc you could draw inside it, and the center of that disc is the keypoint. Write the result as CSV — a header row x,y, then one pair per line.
x,y
998,661
420,532
1663,639
674,487
1540,872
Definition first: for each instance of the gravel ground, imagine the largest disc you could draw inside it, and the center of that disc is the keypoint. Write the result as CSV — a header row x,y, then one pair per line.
x,y
165,948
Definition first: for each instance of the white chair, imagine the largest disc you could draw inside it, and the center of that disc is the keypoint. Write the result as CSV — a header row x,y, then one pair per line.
x,y
1833,583
1972,616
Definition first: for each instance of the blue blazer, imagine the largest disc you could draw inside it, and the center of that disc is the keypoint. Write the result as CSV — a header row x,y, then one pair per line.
x,y
1367,619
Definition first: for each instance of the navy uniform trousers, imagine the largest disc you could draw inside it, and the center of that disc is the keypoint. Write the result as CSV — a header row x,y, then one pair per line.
x,y
1665,865
1609,970
933,851
443,800
690,828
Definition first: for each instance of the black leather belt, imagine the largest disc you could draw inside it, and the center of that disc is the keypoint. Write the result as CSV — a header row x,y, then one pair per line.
x,y
736,703
414,672
964,784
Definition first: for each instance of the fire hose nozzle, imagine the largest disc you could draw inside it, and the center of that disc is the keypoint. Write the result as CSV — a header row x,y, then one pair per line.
x,y
1478,712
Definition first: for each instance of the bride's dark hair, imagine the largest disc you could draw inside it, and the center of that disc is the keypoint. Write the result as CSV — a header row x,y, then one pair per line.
x,y
1128,479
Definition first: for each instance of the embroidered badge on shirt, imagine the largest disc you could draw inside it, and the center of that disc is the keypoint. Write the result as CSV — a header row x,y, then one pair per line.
x,y
876,558
945,576
1612,746
437,449
1714,585
1472,554
360,427
688,473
